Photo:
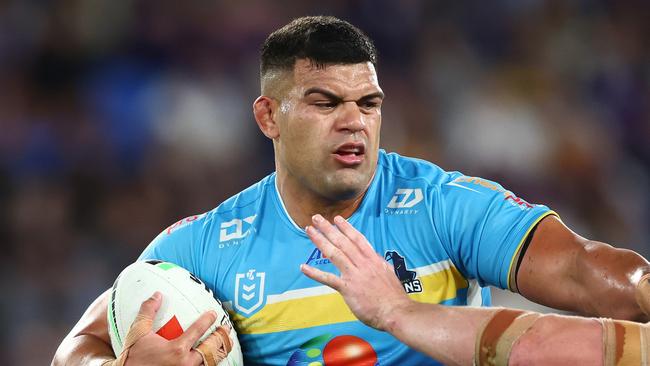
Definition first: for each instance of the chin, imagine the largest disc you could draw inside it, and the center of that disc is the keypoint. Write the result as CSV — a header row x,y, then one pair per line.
x,y
345,186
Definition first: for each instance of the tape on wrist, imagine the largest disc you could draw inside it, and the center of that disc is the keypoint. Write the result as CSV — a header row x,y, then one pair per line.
x,y
141,326
625,343
499,334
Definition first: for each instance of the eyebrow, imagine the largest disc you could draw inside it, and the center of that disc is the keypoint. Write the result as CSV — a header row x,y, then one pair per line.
x,y
330,95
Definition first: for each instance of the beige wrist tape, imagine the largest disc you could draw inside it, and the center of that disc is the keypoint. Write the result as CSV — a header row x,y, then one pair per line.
x,y
643,294
216,347
498,335
625,343
141,325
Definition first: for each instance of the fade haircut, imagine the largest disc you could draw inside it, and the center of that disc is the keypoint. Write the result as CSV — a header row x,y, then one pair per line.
x,y
323,40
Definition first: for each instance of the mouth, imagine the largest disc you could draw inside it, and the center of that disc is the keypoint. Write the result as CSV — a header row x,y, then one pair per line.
x,y
350,154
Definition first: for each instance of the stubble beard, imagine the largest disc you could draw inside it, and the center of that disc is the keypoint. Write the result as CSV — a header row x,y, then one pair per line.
x,y
343,186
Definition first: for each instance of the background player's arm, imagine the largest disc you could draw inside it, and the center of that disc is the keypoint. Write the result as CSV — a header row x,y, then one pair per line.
x,y
563,270
88,342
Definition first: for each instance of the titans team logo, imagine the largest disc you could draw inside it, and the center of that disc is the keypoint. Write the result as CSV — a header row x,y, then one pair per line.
x,y
249,291
407,277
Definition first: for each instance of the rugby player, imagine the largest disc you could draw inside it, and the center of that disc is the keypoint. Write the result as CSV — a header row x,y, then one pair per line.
x,y
446,234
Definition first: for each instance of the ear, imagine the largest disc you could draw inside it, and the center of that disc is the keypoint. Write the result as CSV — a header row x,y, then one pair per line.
x,y
263,109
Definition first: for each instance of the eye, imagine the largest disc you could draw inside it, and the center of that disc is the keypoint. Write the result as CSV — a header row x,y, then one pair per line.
x,y
370,104
326,105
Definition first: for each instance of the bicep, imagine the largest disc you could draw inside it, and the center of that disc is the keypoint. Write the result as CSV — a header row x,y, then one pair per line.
x,y
563,270
547,273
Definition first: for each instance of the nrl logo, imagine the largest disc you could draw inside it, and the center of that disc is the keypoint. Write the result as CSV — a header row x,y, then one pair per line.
x,y
249,291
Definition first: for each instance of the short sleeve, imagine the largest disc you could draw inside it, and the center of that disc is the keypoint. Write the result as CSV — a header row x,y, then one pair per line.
x,y
176,243
484,226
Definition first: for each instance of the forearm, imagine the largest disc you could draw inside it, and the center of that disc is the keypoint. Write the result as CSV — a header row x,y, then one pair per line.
x,y
451,334
83,349
88,343
445,333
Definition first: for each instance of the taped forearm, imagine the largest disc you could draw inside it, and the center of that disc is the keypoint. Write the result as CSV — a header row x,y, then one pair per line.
x,y
513,337
626,343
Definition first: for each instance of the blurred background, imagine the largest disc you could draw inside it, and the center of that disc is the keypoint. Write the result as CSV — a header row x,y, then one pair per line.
x,y
118,118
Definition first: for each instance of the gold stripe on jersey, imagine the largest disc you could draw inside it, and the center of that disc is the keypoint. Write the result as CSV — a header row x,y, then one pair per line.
x,y
312,307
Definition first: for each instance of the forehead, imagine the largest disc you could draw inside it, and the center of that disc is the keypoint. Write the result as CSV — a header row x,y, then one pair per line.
x,y
341,79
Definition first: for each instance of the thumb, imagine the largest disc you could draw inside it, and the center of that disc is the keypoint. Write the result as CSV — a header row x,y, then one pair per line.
x,y
144,320
149,307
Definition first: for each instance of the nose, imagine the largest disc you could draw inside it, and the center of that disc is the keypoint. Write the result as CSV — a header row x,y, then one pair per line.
x,y
350,118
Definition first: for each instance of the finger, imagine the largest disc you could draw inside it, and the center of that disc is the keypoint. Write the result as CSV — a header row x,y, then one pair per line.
x,y
325,278
216,347
357,239
331,232
150,307
195,358
143,321
198,328
329,250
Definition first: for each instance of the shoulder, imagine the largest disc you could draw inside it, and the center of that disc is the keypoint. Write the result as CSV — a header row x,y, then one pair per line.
x,y
402,168
245,201
184,241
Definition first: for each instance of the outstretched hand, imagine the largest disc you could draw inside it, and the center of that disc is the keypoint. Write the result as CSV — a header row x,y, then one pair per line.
x,y
367,283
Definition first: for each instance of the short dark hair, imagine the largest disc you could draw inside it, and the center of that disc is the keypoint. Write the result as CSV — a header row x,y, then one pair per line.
x,y
324,40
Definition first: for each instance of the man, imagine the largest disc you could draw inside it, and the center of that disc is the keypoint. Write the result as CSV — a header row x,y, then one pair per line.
x,y
470,336
321,107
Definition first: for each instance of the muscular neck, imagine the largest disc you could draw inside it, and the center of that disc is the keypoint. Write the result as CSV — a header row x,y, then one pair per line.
x,y
301,203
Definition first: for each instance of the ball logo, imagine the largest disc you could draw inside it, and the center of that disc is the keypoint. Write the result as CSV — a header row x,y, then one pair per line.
x,y
171,330
327,350
249,291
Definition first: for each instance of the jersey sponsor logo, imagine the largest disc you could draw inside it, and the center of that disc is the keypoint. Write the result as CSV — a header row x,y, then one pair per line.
x,y
406,198
520,202
235,229
329,350
317,258
407,277
404,201
249,291
180,223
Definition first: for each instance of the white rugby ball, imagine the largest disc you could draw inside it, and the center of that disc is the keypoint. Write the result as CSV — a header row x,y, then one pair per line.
x,y
184,299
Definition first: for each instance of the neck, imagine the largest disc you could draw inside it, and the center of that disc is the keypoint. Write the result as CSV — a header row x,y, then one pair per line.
x,y
301,204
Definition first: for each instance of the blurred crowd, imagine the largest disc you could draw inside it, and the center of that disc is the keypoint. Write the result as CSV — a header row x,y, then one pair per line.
x,y
118,118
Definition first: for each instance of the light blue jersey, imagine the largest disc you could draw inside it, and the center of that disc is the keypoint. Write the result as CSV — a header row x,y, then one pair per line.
x,y
442,231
